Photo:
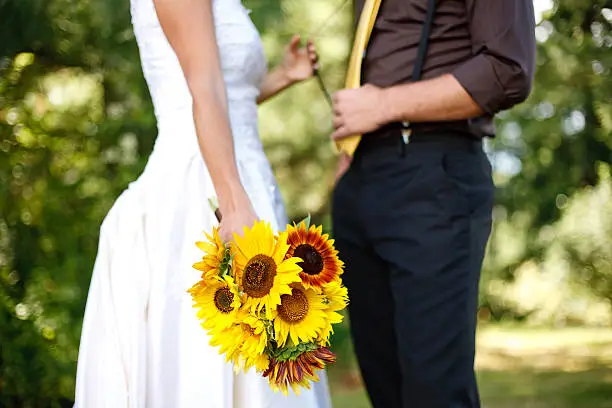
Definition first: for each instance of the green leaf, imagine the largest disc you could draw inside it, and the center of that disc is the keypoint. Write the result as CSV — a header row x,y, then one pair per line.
x,y
213,203
291,352
306,221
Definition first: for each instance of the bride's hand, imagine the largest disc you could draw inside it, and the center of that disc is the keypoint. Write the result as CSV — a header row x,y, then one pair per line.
x,y
234,220
300,63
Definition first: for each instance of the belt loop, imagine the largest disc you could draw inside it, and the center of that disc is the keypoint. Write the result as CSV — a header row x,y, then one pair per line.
x,y
406,132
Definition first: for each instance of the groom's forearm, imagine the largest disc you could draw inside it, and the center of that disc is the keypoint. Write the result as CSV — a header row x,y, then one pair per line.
x,y
439,99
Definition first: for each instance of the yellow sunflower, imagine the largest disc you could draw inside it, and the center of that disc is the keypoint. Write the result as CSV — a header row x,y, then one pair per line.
x,y
214,255
298,372
336,299
253,340
320,263
261,270
243,343
300,316
217,301
228,341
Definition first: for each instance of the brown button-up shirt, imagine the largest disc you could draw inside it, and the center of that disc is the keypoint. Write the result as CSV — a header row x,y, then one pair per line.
x,y
488,45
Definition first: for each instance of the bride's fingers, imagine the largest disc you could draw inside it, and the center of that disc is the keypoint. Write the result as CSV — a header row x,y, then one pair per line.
x,y
295,43
314,59
311,47
312,51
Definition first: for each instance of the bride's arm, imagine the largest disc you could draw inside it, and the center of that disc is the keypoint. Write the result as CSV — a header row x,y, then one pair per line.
x,y
189,27
298,65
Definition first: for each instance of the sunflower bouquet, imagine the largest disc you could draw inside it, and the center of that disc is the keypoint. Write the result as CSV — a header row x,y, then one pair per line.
x,y
270,300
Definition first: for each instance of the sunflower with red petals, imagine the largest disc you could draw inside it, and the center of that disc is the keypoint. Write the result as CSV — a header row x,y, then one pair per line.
x,y
298,372
320,263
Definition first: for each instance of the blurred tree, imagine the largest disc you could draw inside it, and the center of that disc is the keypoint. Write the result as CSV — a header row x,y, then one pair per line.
x,y
585,235
72,100
548,147
76,126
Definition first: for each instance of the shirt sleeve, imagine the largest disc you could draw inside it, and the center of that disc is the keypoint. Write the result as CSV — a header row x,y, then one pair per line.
x,y
500,73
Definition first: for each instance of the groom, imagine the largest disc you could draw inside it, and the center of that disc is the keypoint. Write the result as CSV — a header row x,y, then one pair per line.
x,y
412,208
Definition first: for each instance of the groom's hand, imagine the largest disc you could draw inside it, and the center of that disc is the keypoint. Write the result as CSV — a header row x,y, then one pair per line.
x,y
359,111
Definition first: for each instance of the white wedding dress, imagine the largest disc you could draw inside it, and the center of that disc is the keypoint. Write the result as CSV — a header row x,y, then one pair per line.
x,y
141,344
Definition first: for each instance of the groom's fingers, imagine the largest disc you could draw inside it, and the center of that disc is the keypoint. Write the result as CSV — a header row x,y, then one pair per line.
x,y
336,98
338,122
336,108
340,133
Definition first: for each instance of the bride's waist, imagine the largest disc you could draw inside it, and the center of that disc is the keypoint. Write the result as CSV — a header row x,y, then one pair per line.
x,y
177,134
241,113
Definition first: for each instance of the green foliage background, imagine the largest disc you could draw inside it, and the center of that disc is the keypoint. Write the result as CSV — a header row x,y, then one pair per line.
x,y
76,126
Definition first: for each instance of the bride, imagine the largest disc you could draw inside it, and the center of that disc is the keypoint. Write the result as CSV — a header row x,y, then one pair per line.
x,y
141,344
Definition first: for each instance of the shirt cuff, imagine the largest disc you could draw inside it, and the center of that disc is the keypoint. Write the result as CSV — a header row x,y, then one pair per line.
x,y
478,77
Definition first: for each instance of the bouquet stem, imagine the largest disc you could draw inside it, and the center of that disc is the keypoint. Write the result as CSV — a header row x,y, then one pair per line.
x,y
214,206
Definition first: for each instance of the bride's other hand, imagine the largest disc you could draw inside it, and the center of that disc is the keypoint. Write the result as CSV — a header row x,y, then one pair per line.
x,y
300,63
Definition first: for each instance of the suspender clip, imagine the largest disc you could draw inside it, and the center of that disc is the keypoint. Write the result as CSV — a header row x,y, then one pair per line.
x,y
406,132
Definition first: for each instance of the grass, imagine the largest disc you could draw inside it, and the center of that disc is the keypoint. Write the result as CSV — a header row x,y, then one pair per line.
x,y
522,368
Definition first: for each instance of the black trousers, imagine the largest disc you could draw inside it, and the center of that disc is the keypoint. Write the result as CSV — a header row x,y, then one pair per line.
x,y
411,223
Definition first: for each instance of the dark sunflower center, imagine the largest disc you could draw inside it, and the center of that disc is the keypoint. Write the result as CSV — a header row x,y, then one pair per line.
x,y
223,299
258,276
293,307
313,261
